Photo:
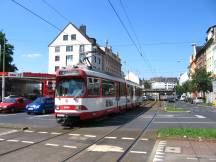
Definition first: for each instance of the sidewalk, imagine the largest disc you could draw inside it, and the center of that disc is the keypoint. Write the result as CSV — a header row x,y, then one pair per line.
x,y
184,150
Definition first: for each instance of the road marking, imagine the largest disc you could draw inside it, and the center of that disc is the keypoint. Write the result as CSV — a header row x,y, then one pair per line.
x,y
8,132
13,140
29,131
74,134
42,132
105,148
40,116
127,138
138,152
67,146
144,139
51,144
6,115
200,116
91,136
56,133
185,122
157,159
110,137
1,139
27,142
212,159
188,158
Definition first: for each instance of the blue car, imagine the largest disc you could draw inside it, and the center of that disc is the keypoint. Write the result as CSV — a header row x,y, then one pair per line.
x,y
41,105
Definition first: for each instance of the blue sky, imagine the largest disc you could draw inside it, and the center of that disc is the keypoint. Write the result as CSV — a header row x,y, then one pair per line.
x,y
165,31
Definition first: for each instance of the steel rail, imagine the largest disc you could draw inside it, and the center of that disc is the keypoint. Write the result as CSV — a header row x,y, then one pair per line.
x,y
103,137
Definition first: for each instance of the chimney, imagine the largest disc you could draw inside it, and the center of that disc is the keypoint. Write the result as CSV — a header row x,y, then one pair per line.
x,y
82,29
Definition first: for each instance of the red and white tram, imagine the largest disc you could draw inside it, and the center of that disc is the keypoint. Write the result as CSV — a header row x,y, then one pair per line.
x,y
83,94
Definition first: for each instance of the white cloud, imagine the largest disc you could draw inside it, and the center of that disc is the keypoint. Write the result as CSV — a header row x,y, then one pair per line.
x,y
31,55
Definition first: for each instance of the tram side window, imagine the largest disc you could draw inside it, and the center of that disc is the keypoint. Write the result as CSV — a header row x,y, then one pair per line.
x,y
108,88
122,89
93,87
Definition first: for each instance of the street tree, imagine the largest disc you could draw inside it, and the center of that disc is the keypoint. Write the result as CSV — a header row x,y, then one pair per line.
x,y
8,48
147,84
189,86
202,81
179,89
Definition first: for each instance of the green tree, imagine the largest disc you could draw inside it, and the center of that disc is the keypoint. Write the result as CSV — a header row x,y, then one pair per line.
x,y
202,81
147,84
9,67
179,89
189,86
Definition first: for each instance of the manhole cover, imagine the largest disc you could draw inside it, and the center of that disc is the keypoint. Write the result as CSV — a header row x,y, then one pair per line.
x,y
176,150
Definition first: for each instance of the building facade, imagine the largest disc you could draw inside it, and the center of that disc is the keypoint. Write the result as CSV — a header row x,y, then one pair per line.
x,y
162,83
73,44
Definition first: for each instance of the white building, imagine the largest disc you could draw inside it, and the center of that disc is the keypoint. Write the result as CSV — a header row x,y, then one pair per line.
x,y
132,77
70,46
183,78
160,83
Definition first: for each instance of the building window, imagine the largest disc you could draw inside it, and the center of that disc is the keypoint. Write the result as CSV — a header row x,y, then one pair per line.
x,y
95,59
93,87
57,49
82,48
57,58
69,60
81,56
73,36
98,60
65,37
69,48
56,68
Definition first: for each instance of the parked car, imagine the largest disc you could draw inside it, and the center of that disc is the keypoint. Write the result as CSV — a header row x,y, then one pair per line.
x,y
171,99
41,105
14,104
198,100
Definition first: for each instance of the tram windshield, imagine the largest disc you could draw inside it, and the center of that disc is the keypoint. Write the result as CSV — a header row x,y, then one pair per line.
x,y
70,87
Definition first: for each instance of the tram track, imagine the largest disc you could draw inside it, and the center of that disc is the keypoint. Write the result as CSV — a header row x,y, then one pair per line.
x,y
107,134
148,104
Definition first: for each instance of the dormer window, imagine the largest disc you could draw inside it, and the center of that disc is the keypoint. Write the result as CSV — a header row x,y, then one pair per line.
x,y
73,36
65,37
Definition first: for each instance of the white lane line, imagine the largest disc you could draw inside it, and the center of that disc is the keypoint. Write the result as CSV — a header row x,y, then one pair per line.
x,y
8,132
138,152
1,139
74,134
42,132
110,137
67,146
188,158
157,159
212,159
200,116
27,141
29,131
51,144
91,136
56,133
144,139
185,122
127,138
40,116
12,140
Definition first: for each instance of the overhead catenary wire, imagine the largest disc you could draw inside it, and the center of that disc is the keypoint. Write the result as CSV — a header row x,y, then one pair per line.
x,y
35,14
125,28
55,10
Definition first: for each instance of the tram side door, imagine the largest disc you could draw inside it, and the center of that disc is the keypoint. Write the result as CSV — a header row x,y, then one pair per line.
x,y
117,94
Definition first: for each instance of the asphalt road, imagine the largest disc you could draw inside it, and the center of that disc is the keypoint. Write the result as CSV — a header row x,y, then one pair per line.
x,y
99,140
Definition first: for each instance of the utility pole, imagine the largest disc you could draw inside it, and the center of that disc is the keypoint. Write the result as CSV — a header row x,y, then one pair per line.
x,y
3,70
